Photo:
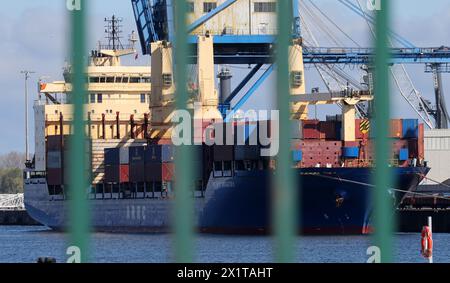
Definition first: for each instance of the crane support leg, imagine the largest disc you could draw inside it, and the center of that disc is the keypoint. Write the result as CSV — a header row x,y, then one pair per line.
x,y
299,110
442,117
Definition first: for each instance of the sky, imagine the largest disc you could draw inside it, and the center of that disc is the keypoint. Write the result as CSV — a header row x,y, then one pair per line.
x,y
35,37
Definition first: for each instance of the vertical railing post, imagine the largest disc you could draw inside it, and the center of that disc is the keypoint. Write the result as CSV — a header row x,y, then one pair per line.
x,y
183,199
78,184
384,216
284,191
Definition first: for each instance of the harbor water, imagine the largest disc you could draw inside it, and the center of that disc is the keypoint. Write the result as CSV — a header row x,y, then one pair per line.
x,y
24,244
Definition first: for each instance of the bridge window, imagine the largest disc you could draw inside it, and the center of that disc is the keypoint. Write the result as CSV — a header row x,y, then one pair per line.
x,y
135,80
143,97
94,79
118,79
110,79
99,98
265,7
191,7
92,98
209,6
125,80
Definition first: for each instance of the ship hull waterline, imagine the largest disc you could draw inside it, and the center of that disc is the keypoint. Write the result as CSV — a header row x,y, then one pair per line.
x,y
333,201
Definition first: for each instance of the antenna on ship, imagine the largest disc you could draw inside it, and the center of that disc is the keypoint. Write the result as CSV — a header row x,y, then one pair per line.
x,y
113,29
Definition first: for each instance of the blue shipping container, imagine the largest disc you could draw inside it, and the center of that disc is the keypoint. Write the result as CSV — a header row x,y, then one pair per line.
x,y
350,152
157,153
137,154
404,154
112,156
410,128
297,155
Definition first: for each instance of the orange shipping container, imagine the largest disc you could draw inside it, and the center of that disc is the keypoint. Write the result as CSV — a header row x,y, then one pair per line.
x,y
421,146
396,128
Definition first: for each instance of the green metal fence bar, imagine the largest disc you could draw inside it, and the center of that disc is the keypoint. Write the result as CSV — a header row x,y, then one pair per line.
x,y
183,186
284,191
383,217
78,179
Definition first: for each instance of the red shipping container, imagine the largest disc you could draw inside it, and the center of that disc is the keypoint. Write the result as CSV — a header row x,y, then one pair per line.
x,y
328,130
124,173
396,128
311,129
168,172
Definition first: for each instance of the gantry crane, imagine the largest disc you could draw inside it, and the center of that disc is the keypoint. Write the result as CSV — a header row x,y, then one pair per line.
x,y
154,20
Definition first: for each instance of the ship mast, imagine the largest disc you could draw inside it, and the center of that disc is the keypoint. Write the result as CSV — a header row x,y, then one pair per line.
x,y
109,54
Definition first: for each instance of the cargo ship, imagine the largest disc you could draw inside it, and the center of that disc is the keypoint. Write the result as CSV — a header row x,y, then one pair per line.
x,y
131,153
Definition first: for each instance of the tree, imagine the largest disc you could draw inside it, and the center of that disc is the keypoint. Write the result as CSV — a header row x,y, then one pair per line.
x,y
11,181
12,160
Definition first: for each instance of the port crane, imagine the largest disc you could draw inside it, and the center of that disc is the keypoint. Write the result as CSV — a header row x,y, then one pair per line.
x,y
154,19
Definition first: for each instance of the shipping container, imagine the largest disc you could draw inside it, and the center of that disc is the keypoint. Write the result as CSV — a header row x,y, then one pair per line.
x,y
112,173
137,154
311,129
168,172
328,130
124,155
137,172
410,129
153,172
55,177
55,143
297,155
124,176
403,154
413,148
157,153
420,143
54,160
223,152
112,156
350,152
396,126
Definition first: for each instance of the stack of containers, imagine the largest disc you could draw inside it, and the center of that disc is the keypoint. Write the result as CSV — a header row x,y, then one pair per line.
x,y
112,165
116,165
124,174
54,160
330,130
136,157
311,129
159,163
413,133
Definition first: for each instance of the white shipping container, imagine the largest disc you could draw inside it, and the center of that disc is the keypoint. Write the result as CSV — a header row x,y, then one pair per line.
x,y
437,153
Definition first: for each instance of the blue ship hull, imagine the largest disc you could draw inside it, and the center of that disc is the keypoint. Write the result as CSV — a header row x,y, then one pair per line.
x,y
333,201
